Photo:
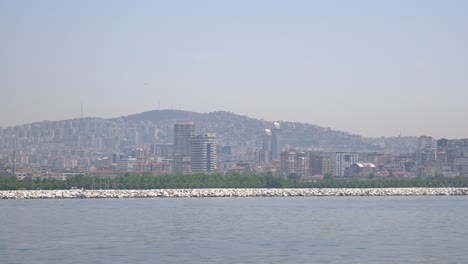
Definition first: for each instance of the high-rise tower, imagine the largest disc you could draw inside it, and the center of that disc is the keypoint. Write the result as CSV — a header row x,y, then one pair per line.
x,y
183,131
203,153
266,144
276,141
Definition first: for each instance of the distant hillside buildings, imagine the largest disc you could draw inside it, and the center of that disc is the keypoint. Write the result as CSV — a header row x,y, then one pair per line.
x,y
114,147
445,158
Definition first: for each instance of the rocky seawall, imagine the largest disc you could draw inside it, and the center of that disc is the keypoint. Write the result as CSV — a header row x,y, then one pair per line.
x,y
194,193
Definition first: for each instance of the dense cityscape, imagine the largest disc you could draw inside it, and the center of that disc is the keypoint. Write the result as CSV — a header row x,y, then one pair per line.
x,y
98,147
209,132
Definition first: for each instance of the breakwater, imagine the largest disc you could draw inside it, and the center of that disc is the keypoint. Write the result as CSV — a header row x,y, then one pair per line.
x,y
194,193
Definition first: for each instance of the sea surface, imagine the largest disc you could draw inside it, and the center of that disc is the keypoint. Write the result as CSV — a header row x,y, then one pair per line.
x,y
236,230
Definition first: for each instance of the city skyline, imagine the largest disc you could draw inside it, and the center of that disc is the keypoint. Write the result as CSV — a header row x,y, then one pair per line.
x,y
367,68
113,147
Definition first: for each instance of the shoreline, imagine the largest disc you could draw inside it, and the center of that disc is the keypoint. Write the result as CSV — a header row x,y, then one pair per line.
x,y
228,192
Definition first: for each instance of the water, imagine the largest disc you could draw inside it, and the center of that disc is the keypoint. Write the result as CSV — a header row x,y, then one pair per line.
x,y
236,230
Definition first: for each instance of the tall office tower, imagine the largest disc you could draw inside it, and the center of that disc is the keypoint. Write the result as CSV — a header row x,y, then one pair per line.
x,y
276,141
183,131
266,146
203,153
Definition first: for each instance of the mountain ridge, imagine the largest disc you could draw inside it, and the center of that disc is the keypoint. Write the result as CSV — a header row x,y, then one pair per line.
x,y
241,132
235,129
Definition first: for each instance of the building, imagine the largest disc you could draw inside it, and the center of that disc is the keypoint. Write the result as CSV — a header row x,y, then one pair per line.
x,y
361,170
153,148
343,160
127,163
288,162
452,157
181,163
276,141
293,162
424,142
203,156
426,157
266,146
183,131
327,166
164,150
302,165
320,164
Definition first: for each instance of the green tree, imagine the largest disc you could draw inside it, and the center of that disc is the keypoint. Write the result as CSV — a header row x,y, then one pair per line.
x,y
293,176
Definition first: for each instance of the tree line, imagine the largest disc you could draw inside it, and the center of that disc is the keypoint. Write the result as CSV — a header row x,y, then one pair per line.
x,y
218,180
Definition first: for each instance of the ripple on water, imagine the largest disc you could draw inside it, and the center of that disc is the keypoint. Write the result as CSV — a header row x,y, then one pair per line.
x,y
283,230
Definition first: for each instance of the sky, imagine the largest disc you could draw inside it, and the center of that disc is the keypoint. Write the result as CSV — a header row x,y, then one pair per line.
x,y
374,68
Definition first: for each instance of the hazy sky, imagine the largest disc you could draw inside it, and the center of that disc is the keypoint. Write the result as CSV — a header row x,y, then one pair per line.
x,y
369,67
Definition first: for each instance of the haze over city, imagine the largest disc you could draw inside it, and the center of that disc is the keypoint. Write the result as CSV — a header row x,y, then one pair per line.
x,y
372,68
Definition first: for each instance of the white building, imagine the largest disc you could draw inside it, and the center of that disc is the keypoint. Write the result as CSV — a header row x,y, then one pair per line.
x,y
343,160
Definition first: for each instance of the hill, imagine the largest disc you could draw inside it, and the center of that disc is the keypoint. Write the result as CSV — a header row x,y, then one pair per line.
x,y
241,132
98,136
